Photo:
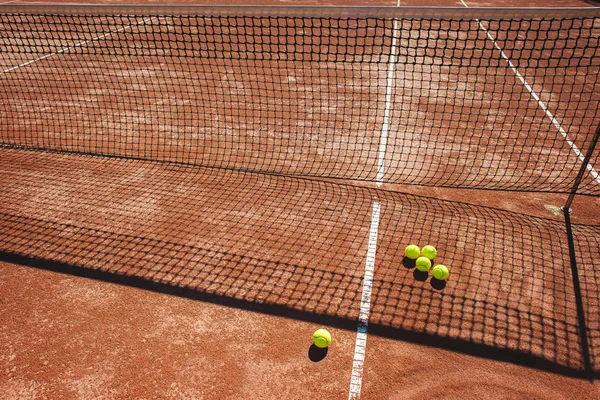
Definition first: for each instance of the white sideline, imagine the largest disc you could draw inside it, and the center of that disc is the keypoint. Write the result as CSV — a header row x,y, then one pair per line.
x,y
542,105
365,308
63,50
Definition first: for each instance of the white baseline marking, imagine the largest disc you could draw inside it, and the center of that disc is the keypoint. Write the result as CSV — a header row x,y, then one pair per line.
x,y
365,308
542,105
66,49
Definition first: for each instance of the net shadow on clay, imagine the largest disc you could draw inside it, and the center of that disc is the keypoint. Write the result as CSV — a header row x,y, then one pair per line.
x,y
295,247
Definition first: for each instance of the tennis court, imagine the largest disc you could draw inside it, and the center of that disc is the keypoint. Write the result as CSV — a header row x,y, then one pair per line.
x,y
232,179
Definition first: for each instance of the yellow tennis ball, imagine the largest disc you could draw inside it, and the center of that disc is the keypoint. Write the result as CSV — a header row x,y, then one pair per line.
x,y
412,251
441,272
423,264
322,338
429,252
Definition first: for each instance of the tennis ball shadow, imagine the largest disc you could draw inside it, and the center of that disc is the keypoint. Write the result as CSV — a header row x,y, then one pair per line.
x,y
408,263
437,284
316,354
420,275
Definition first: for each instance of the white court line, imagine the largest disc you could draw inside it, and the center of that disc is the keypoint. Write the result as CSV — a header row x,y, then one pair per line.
x,y
542,105
63,50
388,103
365,308
360,347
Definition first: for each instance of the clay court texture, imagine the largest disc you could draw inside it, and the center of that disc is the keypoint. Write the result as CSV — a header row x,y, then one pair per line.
x,y
188,194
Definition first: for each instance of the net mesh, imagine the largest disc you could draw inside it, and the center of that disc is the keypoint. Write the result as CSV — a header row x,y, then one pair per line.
x,y
491,103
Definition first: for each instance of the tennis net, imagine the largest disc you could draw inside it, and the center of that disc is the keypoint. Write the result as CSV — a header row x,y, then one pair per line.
x,y
476,98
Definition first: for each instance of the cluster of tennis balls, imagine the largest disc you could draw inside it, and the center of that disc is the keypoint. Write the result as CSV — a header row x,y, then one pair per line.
x,y
322,338
423,259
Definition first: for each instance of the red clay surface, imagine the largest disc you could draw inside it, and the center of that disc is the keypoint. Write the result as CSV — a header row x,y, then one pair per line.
x,y
295,247
428,3
136,279
458,114
71,337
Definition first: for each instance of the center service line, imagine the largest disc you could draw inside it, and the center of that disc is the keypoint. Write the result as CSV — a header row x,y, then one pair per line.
x,y
388,103
360,346
365,308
